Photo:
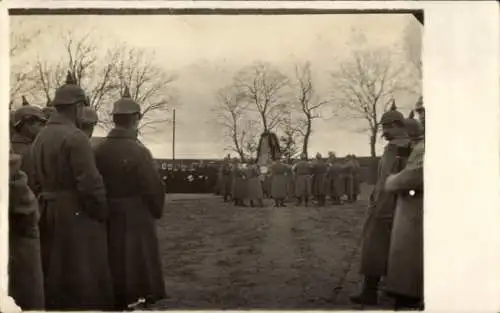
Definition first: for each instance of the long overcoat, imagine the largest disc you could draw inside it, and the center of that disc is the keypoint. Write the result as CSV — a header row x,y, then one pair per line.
x,y
352,176
21,145
334,184
302,186
254,184
25,263
378,224
279,180
239,188
319,171
136,198
405,268
72,224
227,181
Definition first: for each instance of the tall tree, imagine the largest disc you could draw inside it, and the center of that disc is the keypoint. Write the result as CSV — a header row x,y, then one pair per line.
x,y
365,85
265,90
308,103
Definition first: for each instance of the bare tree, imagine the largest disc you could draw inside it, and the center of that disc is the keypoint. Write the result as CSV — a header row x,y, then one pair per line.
x,y
231,115
264,88
308,102
104,75
364,86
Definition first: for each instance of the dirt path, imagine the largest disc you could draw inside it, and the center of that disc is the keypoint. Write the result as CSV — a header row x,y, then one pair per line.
x,y
217,256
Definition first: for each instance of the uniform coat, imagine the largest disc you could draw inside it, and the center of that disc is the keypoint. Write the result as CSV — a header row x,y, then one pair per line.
x,y
319,171
25,263
72,222
280,174
136,198
405,269
254,185
227,181
353,172
302,186
378,225
334,181
21,145
239,189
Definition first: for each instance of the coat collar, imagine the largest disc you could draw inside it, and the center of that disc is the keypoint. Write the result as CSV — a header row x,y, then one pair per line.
x,y
123,133
57,118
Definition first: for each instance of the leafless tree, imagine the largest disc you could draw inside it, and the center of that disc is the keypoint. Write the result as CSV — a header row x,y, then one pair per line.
x,y
264,88
364,86
308,102
231,115
104,75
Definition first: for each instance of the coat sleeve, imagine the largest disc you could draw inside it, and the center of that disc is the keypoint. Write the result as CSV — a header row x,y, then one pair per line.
x,y
411,177
151,184
89,181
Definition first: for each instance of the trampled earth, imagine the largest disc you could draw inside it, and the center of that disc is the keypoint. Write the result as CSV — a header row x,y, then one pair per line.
x,y
218,256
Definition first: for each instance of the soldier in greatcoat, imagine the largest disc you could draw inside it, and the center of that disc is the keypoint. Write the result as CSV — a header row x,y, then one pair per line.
x,y
355,180
378,225
136,198
28,120
319,170
239,184
405,267
227,180
254,187
279,175
302,188
333,179
73,210
25,263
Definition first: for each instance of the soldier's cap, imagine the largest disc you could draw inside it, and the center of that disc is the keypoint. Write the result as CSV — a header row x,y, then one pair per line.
x,y
89,116
413,127
69,93
27,111
126,105
392,115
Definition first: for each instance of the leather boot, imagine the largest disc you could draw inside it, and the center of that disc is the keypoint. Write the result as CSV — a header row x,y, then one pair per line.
x,y
251,203
369,292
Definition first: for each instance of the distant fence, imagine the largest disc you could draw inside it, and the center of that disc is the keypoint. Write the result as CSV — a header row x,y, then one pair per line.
x,y
200,176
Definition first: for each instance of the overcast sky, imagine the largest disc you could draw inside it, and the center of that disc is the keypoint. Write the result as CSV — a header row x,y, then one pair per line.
x,y
205,51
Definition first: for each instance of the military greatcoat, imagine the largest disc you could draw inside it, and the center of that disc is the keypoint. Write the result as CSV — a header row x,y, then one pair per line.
x,y
25,264
279,180
21,145
254,185
378,225
72,223
319,171
136,198
334,181
239,190
302,175
405,269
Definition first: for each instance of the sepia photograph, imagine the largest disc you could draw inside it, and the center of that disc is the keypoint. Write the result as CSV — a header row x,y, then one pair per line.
x,y
216,159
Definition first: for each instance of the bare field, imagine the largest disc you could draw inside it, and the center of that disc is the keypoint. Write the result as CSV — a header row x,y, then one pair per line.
x,y
217,256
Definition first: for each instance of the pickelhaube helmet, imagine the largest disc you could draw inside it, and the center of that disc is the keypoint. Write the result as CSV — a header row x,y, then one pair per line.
x,y
420,104
126,105
413,127
69,93
26,111
392,115
89,116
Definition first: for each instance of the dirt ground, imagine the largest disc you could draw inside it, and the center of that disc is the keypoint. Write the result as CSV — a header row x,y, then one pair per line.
x,y
217,256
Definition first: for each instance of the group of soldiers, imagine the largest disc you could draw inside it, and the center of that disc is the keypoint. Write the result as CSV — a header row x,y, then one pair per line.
x,y
392,238
82,230
283,181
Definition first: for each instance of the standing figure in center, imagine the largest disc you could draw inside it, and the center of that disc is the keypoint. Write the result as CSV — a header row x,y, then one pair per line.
x,y
319,170
279,182
334,186
254,185
302,173
239,184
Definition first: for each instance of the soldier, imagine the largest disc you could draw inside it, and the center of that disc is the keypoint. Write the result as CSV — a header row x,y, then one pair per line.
x,y
334,186
28,120
239,184
378,225
73,210
319,170
226,179
89,121
405,267
136,198
254,186
354,179
302,185
25,264
279,174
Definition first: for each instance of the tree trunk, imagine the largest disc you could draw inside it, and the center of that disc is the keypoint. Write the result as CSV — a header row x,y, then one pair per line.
x,y
373,155
305,144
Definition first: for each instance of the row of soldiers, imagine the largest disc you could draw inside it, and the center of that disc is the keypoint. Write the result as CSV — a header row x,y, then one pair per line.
x,y
303,180
82,230
392,237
